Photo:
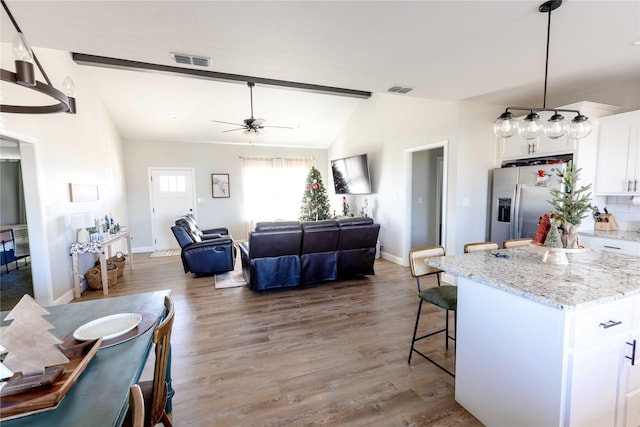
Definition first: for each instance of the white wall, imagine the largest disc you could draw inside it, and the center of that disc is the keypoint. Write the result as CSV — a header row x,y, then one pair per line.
x,y
58,149
205,159
385,126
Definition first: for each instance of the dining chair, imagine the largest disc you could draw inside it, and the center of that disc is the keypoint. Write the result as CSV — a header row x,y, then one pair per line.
x,y
516,243
443,296
480,246
136,406
155,392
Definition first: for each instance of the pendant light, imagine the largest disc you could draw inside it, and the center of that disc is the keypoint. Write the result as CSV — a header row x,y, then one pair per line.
x,y
556,127
25,77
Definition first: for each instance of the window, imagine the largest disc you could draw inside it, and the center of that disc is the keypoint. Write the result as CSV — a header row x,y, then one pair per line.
x,y
172,183
273,188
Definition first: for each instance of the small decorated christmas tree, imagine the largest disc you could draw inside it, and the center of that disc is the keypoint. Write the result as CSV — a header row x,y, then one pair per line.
x,y
315,202
571,203
553,238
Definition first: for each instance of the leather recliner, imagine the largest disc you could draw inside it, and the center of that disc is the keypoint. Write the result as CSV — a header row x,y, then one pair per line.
x,y
357,246
215,254
271,255
319,253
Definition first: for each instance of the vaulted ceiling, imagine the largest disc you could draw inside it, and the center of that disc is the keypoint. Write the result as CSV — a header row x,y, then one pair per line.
x,y
486,51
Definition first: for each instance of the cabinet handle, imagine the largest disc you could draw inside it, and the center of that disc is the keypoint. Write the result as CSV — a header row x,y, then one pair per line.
x,y
629,185
635,185
611,247
633,352
610,324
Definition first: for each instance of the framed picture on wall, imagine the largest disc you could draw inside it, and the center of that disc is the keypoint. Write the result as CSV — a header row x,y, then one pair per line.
x,y
220,185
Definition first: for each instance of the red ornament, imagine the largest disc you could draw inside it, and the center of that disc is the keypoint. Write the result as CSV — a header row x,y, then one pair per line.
x,y
541,173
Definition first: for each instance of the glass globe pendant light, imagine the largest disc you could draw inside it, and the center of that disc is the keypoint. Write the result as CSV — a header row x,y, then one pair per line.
x,y
580,127
530,127
556,127
506,126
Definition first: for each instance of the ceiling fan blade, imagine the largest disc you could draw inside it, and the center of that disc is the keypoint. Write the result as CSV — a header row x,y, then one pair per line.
x,y
227,123
280,127
233,130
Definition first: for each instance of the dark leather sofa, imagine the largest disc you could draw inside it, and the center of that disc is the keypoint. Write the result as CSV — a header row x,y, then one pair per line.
x,y
203,252
291,253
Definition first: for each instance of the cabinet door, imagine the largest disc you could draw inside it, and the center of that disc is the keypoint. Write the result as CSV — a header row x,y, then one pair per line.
x,y
629,406
593,383
618,154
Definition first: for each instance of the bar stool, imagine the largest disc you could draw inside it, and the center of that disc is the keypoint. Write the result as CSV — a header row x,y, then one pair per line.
x,y
516,243
480,246
443,296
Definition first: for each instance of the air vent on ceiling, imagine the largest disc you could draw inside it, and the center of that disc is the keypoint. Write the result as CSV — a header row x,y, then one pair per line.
x,y
400,89
184,58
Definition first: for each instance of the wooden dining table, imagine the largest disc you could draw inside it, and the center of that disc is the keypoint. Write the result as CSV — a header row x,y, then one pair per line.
x,y
100,395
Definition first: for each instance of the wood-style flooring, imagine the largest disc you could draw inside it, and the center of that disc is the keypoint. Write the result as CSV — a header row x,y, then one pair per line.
x,y
331,354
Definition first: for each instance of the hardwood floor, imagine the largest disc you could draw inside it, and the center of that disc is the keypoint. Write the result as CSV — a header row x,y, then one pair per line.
x,y
330,354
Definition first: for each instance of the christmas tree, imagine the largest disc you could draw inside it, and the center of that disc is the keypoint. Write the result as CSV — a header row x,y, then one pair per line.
x,y
571,203
315,203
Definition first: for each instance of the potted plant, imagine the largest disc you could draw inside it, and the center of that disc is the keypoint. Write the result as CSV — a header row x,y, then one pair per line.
x,y
571,204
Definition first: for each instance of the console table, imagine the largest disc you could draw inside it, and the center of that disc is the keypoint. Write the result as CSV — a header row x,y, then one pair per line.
x,y
102,248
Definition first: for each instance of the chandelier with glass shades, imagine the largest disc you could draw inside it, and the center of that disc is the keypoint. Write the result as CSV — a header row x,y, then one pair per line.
x,y
531,126
25,77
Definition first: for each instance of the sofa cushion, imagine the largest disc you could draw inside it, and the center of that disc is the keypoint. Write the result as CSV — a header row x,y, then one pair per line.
x,y
358,220
277,226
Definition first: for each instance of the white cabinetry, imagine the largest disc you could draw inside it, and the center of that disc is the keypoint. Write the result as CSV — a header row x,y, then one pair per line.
x,y
618,164
628,247
517,147
629,401
520,362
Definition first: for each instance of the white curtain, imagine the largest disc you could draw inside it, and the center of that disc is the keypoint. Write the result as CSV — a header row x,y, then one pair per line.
x,y
273,188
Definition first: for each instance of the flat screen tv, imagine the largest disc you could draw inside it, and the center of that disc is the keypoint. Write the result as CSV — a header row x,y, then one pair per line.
x,y
351,175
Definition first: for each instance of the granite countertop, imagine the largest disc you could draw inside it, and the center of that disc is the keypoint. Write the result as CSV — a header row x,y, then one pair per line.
x,y
590,278
618,234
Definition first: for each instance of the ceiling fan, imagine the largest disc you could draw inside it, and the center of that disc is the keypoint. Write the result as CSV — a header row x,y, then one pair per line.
x,y
251,126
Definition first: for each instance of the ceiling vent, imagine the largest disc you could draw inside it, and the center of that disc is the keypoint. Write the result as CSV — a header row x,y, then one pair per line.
x,y
399,89
186,59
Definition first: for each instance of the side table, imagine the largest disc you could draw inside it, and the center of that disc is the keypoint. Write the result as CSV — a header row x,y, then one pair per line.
x,y
104,249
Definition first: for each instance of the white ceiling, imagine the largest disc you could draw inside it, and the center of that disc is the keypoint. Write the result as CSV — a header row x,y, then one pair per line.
x,y
487,51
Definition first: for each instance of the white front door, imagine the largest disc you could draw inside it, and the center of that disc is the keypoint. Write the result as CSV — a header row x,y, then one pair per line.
x,y
172,195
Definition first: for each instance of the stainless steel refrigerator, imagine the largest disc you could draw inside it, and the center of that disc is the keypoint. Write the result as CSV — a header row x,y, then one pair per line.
x,y
520,197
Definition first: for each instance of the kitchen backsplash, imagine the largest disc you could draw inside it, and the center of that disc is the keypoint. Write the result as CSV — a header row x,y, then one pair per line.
x,y
626,212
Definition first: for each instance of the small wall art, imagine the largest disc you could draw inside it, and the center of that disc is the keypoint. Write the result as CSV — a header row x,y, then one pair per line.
x,y
83,192
220,185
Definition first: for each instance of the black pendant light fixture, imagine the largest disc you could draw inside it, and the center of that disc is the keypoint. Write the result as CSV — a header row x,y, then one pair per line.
x,y
506,125
25,77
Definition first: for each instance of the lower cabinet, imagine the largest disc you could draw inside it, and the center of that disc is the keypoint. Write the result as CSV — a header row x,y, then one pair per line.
x,y
629,247
629,405
520,362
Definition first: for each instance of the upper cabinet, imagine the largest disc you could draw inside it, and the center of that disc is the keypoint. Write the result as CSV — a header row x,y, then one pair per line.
x,y
618,161
517,147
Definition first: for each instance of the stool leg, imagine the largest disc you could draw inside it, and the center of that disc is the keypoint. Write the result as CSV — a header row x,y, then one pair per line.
x,y
415,331
446,330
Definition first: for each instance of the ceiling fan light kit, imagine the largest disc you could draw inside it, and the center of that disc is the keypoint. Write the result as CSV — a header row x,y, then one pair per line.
x,y
25,77
252,126
531,126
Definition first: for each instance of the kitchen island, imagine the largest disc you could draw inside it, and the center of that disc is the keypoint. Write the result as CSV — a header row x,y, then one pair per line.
x,y
547,345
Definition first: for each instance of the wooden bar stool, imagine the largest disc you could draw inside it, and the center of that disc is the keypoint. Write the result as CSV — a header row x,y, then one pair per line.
x,y
516,243
480,246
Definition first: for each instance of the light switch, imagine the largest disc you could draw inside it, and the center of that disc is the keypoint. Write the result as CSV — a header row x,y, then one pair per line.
x,y
466,201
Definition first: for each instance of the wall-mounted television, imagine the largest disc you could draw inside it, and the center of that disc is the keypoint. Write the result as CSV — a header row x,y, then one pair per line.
x,y
351,175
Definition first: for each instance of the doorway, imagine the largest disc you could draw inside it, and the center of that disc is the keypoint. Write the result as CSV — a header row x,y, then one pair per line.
x,y
426,196
172,194
16,276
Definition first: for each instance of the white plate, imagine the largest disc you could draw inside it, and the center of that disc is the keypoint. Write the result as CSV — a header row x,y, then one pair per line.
x,y
107,327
